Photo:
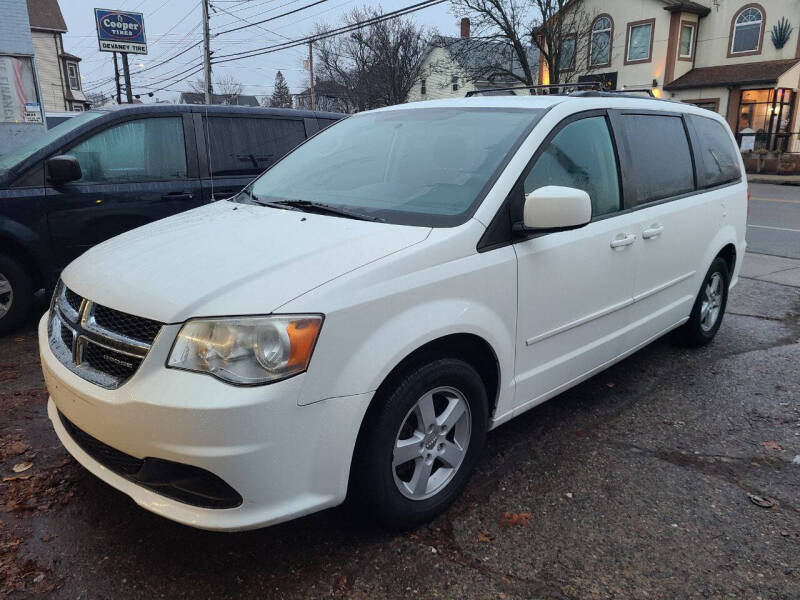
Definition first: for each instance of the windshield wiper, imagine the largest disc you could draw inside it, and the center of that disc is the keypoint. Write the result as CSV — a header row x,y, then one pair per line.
x,y
321,208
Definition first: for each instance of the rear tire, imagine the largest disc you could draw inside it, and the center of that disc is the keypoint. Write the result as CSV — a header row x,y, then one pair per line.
x,y
16,293
709,307
419,447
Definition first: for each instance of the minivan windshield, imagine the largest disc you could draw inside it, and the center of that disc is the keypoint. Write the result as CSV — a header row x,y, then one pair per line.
x,y
420,166
17,156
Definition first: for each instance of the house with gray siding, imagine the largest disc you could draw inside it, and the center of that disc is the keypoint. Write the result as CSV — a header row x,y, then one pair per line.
x,y
21,116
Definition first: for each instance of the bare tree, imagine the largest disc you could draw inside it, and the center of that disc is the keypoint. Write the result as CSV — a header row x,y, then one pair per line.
x,y
226,86
376,65
563,34
500,40
506,30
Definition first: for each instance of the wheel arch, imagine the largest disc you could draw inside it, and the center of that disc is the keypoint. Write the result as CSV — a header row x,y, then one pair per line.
x,y
725,244
473,349
728,254
469,347
19,251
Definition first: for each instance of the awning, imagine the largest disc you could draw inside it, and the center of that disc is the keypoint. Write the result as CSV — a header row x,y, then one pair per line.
x,y
754,73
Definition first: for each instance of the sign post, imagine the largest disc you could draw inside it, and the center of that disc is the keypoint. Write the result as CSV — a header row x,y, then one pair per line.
x,y
123,32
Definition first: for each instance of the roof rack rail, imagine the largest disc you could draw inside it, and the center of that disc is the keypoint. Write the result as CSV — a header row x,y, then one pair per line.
x,y
586,89
539,90
627,93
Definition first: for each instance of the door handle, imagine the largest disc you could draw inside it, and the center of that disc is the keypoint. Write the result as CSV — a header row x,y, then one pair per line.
x,y
621,242
178,196
653,231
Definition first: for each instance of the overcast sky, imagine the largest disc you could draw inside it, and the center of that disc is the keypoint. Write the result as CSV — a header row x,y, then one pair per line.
x,y
173,25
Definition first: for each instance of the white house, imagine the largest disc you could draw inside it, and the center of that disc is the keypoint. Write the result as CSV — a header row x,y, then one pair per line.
x,y
455,66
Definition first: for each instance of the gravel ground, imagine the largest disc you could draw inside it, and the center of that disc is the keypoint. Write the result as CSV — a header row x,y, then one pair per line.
x,y
643,482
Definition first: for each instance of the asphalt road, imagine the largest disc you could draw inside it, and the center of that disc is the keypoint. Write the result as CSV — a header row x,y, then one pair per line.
x,y
774,223
674,474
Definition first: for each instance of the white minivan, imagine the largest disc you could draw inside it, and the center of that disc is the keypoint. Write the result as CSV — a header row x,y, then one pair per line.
x,y
355,321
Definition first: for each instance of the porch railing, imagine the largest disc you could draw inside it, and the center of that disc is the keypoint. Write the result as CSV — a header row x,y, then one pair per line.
x,y
769,142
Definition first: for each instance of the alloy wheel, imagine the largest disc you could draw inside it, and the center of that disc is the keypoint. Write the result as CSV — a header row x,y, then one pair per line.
x,y
711,305
6,295
431,443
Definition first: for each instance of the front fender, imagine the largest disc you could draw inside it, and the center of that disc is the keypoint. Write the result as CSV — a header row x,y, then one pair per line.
x,y
384,322
19,239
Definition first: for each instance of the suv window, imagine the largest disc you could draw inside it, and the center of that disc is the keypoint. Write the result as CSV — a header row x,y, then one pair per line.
x,y
661,160
581,156
139,150
717,157
247,146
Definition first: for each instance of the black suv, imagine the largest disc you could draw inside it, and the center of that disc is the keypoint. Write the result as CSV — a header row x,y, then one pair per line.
x,y
110,170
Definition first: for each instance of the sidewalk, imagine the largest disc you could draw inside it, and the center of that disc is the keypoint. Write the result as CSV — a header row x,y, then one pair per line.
x,y
775,269
774,179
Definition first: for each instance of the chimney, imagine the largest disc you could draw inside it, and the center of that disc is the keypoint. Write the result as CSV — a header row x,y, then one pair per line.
x,y
465,27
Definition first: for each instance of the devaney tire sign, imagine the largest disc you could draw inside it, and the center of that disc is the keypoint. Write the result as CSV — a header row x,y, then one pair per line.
x,y
120,31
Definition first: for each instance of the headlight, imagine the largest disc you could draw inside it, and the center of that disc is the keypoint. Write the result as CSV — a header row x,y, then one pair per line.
x,y
247,350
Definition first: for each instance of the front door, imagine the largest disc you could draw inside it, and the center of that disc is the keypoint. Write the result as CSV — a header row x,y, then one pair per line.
x,y
575,287
134,172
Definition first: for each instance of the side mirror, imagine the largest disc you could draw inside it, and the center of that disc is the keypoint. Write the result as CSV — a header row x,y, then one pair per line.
x,y
62,169
557,207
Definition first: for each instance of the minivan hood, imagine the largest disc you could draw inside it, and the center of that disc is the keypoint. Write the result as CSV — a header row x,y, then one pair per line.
x,y
229,259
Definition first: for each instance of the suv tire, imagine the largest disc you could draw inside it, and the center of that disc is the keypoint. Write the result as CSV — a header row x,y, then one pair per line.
x,y
419,448
709,307
16,293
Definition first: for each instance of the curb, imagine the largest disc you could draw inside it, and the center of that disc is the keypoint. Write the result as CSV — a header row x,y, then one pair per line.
x,y
773,181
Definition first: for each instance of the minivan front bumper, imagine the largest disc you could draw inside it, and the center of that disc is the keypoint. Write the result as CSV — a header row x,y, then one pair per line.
x,y
282,459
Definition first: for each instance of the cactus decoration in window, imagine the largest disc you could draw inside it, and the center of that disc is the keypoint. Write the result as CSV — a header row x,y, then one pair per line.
x,y
781,33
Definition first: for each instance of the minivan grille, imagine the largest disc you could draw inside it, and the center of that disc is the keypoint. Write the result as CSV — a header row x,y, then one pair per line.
x,y
100,344
137,328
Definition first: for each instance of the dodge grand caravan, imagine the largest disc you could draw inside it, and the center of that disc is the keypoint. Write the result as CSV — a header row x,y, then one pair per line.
x,y
356,320
106,171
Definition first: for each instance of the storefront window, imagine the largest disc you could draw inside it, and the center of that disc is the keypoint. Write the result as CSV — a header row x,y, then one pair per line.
x,y
19,102
765,116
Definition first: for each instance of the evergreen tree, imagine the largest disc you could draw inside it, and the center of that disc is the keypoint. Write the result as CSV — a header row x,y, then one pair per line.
x,y
281,97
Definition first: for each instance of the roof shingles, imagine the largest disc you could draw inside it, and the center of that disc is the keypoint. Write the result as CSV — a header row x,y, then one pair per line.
x,y
46,14
766,72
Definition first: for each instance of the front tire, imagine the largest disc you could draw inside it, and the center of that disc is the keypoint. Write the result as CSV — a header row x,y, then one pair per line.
x,y
16,294
709,307
421,444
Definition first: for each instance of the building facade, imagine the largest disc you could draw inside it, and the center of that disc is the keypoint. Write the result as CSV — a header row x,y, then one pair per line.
x,y
59,71
738,58
21,116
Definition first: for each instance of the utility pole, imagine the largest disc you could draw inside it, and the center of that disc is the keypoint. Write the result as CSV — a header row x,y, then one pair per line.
x,y
206,55
116,79
311,73
126,71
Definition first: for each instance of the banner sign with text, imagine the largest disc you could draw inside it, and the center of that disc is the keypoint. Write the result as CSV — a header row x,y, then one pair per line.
x,y
120,31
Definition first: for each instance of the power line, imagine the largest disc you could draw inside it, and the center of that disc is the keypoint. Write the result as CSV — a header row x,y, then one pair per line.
x,y
330,33
248,23
291,12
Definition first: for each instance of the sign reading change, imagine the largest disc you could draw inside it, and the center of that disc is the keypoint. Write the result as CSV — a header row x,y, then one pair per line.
x,y
120,31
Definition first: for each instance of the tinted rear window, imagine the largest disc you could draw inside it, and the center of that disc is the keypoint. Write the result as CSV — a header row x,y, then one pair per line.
x,y
323,123
248,146
717,157
661,161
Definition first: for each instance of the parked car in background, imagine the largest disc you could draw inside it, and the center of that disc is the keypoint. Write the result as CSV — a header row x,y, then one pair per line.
x,y
56,119
357,318
106,171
